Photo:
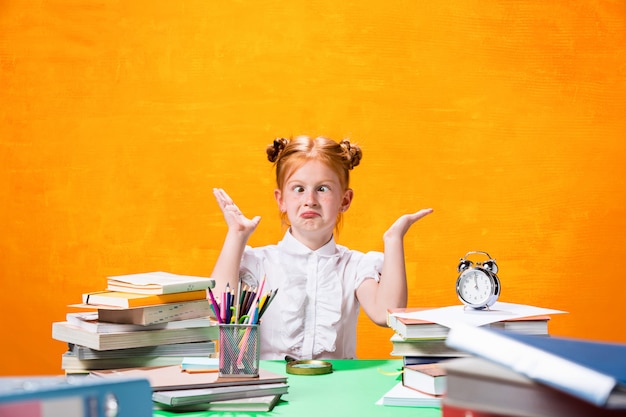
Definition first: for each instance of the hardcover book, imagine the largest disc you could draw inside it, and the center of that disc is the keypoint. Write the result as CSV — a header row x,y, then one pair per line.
x,y
435,348
89,321
416,329
170,378
481,387
174,349
72,364
258,404
158,283
177,398
129,300
66,332
33,396
428,378
593,371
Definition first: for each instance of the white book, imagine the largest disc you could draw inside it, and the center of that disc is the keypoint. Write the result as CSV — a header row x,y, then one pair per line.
x,y
160,313
70,361
69,333
158,283
429,378
205,395
258,404
174,349
89,321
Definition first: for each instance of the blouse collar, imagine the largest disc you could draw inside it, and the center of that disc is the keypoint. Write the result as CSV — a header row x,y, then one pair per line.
x,y
293,245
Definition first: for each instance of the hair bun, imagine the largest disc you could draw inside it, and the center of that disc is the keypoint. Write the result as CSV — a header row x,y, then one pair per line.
x,y
273,150
352,153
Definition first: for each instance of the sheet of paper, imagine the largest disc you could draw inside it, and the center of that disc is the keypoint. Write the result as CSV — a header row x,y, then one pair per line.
x,y
448,316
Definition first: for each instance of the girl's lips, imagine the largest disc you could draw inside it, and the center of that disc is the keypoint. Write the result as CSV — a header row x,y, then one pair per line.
x,y
309,214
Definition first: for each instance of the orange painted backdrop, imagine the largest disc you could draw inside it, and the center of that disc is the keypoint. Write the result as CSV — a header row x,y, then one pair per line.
x,y
118,118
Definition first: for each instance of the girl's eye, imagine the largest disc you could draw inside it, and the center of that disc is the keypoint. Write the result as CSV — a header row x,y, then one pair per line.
x,y
324,188
298,188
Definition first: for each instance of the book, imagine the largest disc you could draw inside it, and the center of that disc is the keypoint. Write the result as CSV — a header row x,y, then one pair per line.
x,y
427,378
200,363
89,321
130,300
401,396
52,396
71,363
484,388
186,397
160,313
422,360
593,371
66,332
170,378
258,404
416,329
158,283
435,348
150,314
174,349
455,410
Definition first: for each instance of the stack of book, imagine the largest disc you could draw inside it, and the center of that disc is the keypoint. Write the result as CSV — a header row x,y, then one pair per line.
x,y
511,374
420,341
177,391
423,346
139,320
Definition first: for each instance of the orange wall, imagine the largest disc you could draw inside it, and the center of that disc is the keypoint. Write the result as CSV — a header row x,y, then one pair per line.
x,y
118,118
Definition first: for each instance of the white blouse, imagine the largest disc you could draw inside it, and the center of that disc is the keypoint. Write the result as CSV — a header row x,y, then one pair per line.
x,y
315,312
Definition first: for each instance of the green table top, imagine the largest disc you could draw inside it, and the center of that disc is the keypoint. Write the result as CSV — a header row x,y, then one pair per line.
x,y
352,389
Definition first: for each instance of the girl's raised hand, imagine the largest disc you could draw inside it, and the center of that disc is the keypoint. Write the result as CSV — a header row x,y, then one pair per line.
x,y
235,219
401,226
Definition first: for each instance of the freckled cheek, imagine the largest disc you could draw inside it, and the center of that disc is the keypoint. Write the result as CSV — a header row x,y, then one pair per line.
x,y
328,200
293,203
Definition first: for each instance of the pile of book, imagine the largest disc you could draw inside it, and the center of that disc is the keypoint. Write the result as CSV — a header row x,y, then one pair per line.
x,y
139,320
160,327
422,346
205,390
420,341
512,374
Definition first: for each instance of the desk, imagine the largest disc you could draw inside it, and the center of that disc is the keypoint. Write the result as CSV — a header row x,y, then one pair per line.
x,y
351,390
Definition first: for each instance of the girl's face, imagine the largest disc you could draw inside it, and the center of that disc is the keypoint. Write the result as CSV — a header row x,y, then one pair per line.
x,y
312,197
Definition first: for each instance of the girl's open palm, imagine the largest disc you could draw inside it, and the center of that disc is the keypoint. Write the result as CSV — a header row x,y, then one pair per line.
x,y
235,219
401,226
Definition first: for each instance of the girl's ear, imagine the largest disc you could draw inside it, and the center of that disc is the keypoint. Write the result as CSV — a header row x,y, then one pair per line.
x,y
279,200
347,200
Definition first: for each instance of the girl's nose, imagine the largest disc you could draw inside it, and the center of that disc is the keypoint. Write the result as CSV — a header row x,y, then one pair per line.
x,y
310,199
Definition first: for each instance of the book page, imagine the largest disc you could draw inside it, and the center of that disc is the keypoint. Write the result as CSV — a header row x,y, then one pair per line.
x,y
449,316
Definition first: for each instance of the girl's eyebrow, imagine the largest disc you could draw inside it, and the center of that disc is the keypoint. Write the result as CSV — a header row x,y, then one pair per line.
x,y
303,181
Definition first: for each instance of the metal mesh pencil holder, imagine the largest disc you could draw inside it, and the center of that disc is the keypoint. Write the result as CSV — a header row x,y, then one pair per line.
x,y
240,350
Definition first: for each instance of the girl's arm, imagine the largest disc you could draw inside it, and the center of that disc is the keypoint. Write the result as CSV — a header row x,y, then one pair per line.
x,y
391,291
226,269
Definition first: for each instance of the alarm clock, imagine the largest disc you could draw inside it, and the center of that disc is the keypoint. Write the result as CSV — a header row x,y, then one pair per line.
x,y
478,286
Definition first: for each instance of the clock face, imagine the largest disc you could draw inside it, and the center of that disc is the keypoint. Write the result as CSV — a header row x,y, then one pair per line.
x,y
476,288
